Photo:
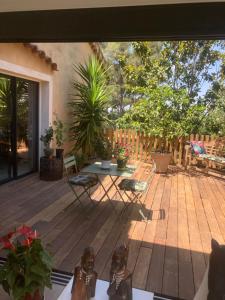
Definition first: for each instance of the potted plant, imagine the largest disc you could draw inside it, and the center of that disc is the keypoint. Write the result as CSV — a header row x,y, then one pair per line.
x,y
89,105
27,270
161,158
46,138
59,127
121,153
50,167
104,151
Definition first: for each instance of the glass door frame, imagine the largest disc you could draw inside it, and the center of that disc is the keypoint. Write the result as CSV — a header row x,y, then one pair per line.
x,y
13,128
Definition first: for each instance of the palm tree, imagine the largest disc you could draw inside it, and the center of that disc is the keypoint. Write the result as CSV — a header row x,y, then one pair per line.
x,y
89,104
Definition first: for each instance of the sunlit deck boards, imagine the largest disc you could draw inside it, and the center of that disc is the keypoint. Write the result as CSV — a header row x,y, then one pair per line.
x,y
168,255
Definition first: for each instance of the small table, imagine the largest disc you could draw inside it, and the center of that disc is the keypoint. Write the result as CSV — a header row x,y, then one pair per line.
x,y
101,292
114,175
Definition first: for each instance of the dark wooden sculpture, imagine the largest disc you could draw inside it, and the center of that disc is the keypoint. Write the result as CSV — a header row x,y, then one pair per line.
x,y
120,287
85,277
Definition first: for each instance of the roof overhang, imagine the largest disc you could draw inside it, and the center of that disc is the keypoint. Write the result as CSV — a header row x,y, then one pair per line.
x,y
28,5
121,23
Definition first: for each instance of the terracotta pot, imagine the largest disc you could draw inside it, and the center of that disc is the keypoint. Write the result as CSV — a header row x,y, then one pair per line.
x,y
121,164
37,296
162,161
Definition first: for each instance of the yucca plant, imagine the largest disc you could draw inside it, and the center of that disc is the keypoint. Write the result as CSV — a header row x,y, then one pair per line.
x,y
89,104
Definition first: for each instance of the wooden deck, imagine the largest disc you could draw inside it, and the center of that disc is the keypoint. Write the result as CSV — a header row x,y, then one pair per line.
x,y
168,255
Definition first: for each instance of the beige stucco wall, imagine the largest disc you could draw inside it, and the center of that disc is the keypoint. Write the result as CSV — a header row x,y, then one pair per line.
x,y
16,53
65,55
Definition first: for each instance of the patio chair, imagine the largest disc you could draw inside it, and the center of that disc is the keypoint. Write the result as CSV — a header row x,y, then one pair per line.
x,y
211,156
135,190
82,180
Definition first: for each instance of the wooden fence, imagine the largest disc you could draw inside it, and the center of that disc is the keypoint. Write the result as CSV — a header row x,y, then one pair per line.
x,y
141,145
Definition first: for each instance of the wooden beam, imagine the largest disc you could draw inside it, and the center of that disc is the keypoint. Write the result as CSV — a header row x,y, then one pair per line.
x,y
153,22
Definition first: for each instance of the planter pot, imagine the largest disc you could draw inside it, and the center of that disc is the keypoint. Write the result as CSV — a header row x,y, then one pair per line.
x,y
106,164
51,169
162,161
59,153
37,296
121,164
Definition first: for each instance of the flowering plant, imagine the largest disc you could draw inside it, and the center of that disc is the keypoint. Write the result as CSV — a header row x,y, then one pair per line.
x,y
28,266
122,151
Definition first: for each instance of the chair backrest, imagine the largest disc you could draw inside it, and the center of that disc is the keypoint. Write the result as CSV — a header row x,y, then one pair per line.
x,y
151,174
69,163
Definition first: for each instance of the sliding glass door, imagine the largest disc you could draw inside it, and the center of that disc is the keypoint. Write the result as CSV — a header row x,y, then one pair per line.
x,y
5,127
18,127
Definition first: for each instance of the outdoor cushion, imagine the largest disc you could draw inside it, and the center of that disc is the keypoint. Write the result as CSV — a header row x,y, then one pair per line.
x,y
83,180
197,147
133,185
218,159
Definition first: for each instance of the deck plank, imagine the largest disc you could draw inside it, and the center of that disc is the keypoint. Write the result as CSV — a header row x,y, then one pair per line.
x,y
155,275
186,280
203,226
170,276
210,215
198,260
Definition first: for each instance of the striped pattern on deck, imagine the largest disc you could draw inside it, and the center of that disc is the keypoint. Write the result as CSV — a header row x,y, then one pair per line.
x,y
167,255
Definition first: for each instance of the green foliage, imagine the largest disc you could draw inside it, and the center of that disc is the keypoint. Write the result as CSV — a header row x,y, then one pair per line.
x,y
5,96
47,137
59,127
89,104
170,88
165,113
103,149
215,120
5,108
81,160
190,64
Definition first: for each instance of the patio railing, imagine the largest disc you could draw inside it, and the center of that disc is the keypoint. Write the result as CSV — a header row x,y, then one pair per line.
x,y
142,144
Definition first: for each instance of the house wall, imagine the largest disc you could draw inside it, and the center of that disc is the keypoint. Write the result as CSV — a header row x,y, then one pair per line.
x,y
55,86
16,53
65,56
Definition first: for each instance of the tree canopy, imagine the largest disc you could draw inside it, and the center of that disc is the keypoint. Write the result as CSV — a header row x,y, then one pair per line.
x,y
168,88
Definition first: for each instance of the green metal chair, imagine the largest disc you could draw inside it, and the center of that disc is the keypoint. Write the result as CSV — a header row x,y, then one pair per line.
x,y
135,189
83,180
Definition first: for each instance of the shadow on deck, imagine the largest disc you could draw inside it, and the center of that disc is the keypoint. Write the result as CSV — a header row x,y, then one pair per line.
x,y
168,255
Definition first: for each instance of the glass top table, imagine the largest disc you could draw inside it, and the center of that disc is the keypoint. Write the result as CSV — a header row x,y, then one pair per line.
x,y
101,292
114,175
113,171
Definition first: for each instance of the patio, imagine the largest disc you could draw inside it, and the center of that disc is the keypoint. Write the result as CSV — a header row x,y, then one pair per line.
x,y
168,255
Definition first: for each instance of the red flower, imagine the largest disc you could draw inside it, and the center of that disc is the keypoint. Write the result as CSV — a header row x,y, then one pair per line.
x,y
8,245
25,230
11,234
7,237
27,242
